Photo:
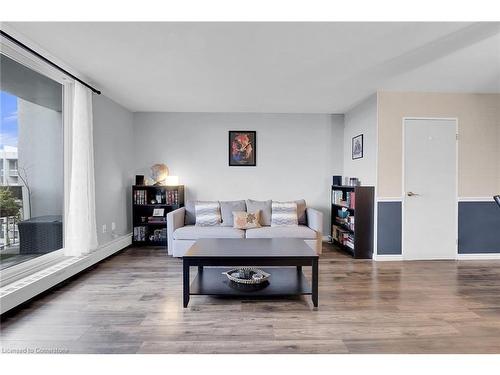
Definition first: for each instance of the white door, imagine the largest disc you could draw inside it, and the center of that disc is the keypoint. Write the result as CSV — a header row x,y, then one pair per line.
x,y
430,189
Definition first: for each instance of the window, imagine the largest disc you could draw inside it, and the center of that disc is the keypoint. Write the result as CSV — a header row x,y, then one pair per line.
x,y
32,164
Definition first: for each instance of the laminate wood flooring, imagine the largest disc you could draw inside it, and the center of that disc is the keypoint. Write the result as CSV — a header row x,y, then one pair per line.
x,y
132,303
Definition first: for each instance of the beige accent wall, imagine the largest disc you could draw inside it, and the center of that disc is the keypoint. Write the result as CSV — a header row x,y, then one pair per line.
x,y
479,138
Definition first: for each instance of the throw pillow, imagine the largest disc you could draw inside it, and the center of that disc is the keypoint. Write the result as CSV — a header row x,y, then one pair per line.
x,y
284,214
246,220
227,209
265,210
207,214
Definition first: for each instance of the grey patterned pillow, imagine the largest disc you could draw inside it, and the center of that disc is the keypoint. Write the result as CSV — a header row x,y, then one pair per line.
x,y
284,214
207,213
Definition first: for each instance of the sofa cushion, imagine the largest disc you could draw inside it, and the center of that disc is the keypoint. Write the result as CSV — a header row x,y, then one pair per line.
x,y
207,214
284,214
190,215
301,211
299,231
264,207
193,232
227,208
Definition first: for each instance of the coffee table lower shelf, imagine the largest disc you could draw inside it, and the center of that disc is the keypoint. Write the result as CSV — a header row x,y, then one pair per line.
x,y
282,282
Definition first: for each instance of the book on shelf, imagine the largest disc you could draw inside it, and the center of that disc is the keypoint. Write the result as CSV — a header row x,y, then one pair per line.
x,y
351,199
342,236
140,233
338,198
157,220
140,197
172,197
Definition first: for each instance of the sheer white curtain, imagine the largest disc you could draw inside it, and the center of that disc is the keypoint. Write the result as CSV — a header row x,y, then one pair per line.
x,y
81,232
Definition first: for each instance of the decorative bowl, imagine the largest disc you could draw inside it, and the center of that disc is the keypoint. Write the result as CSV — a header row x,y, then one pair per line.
x,y
247,275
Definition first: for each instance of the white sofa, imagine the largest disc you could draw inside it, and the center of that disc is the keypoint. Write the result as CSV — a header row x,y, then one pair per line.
x,y
182,236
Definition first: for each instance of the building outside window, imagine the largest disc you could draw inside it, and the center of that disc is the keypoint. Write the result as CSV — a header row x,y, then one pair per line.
x,y
32,164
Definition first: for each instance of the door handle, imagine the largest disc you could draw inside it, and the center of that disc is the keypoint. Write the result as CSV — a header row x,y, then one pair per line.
x,y
412,194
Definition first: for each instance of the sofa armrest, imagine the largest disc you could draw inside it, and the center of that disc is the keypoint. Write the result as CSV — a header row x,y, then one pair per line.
x,y
314,219
315,222
175,220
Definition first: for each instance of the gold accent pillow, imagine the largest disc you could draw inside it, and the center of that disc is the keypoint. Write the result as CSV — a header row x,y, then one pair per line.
x,y
246,220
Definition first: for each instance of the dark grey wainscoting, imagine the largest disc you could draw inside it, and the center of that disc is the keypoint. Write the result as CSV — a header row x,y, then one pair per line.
x,y
389,228
478,227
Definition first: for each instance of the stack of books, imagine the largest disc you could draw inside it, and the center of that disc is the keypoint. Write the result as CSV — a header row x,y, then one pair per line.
x,y
342,236
349,241
157,219
350,222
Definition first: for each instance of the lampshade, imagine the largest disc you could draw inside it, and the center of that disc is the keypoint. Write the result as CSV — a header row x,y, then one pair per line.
x,y
172,181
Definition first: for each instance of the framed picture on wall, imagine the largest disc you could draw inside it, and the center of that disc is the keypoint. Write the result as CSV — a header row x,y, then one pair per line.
x,y
242,148
357,147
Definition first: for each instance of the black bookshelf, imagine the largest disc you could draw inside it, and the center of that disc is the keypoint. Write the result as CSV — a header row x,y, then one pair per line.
x,y
359,229
149,230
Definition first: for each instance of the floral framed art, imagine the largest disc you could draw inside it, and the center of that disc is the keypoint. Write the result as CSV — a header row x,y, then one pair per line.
x,y
242,148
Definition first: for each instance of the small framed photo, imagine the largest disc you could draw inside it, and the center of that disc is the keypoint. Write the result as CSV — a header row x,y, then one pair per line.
x,y
242,148
357,147
158,212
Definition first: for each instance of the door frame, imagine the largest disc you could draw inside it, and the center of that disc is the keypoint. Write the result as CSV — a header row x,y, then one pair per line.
x,y
403,175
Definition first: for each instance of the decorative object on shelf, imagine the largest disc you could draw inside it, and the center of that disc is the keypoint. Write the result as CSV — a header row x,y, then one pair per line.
x,y
336,180
343,213
139,180
242,148
357,147
159,173
247,275
172,181
354,181
159,212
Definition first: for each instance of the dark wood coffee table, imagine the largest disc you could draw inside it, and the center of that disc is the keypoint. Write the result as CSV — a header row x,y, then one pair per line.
x,y
281,252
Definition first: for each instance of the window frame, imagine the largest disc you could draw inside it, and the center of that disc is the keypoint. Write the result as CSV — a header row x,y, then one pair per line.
x,y
30,61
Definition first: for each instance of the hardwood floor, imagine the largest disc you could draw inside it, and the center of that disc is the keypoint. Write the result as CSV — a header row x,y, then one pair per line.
x,y
132,303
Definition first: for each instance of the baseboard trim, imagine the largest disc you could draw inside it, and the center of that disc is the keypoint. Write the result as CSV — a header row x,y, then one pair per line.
x,y
22,290
388,257
479,256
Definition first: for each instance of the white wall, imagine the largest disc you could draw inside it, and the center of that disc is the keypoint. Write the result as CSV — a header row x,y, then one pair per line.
x,y
362,119
296,154
113,163
41,157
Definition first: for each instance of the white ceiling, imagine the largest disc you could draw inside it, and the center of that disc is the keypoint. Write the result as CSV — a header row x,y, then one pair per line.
x,y
271,67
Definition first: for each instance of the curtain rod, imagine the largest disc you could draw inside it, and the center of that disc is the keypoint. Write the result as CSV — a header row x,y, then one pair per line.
x,y
21,44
